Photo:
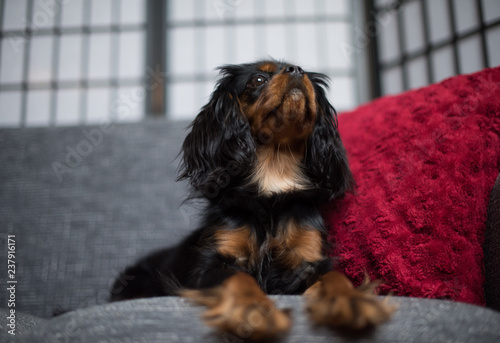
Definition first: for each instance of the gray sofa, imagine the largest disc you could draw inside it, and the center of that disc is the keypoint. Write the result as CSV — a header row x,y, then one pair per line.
x,y
84,202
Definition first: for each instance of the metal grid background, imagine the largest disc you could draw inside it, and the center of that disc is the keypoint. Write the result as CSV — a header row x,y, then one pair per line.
x,y
307,32
422,41
183,41
39,30
178,43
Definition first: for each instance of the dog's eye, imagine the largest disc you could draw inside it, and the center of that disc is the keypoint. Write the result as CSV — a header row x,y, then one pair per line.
x,y
257,81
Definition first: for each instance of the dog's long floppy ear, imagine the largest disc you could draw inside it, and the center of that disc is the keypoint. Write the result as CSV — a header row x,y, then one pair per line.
x,y
219,148
326,159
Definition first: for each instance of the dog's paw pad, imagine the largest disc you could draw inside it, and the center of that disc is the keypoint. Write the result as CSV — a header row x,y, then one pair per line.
x,y
239,307
338,304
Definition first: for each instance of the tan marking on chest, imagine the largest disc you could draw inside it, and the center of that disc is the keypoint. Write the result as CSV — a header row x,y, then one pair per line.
x,y
296,244
239,244
278,171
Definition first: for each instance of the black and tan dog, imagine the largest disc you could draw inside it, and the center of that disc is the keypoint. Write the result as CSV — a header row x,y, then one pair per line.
x,y
265,153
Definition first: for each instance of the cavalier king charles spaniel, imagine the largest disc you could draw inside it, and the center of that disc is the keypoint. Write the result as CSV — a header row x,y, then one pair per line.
x,y
265,154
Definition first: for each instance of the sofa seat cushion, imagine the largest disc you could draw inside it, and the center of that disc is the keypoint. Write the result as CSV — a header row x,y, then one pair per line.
x,y
172,319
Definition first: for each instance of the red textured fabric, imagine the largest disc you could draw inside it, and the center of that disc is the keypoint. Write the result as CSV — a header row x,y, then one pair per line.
x,y
425,162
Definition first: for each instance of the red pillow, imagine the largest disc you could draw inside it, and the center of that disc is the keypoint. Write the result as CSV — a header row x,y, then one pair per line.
x,y
425,162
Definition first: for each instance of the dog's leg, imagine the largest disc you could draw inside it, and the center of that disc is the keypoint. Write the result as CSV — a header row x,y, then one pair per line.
x,y
238,306
335,302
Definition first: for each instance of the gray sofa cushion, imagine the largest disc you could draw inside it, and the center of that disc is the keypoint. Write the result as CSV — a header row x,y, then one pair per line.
x,y
171,319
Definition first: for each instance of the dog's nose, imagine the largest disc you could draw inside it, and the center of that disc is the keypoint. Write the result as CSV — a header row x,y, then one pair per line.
x,y
294,71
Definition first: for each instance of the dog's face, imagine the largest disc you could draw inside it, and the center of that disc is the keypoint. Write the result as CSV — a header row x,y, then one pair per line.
x,y
279,102
261,107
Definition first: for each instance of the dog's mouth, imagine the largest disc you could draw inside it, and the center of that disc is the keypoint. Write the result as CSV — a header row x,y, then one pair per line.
x,y
290,98
294,102
295,94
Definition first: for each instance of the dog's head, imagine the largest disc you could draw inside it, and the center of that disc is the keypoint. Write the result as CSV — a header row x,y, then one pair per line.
x,y
279,102
264,107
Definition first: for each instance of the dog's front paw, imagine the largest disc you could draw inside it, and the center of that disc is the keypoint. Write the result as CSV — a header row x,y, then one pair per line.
x,y
241,308
333,301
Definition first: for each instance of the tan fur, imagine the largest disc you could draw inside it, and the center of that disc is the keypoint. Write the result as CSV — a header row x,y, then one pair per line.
x,y
334,301
268,67
241,308
295,244
313,107
278,171
239,244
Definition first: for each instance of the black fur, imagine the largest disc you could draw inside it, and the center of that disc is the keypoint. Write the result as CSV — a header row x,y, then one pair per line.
x,y
219,143
218,155
326,159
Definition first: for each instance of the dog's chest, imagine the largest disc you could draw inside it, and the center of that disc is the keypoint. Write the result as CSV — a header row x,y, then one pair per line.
x,y
278,172
291,247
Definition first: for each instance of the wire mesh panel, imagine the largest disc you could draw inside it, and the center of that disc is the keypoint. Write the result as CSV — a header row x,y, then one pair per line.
x,y
202,35
87,61
71,62
419,42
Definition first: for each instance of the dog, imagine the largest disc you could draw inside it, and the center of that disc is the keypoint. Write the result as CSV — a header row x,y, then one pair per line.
x,y
265,154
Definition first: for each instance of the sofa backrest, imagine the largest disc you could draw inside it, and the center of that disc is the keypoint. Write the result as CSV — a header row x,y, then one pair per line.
x,y
84,202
